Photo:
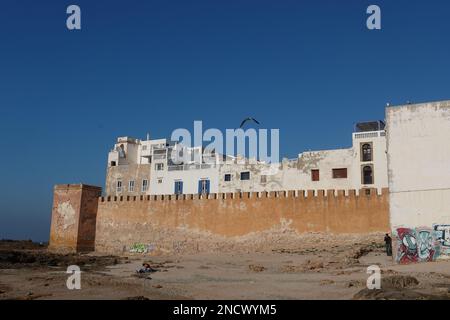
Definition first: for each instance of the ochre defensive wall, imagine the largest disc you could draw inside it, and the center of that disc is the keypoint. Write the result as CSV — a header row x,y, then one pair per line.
x,y
201,222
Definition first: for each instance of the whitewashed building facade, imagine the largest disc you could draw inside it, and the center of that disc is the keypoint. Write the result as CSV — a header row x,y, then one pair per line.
x,y
419,180
137,167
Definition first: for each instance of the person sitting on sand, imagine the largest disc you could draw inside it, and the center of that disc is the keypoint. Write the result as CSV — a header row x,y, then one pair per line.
x,y
145,268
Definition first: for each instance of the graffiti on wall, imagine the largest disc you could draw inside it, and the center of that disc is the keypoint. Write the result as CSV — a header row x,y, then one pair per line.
x,y
417,245
179,246
407,246
442,232
138,248
426,247
142,248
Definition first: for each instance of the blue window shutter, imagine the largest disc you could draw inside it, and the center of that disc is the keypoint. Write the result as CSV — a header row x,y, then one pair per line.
x,y
199,186
178,187
175,186
207,186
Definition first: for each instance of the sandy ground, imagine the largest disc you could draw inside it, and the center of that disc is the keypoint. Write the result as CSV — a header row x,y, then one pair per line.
x,y
310,270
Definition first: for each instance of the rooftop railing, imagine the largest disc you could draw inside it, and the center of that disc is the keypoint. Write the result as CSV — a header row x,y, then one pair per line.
x,y
186,167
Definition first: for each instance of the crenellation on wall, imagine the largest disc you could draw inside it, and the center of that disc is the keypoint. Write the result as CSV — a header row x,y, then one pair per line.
x,y
232,218
301,194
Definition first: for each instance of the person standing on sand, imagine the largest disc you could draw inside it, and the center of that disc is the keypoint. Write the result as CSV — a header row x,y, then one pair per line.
x,y
388,243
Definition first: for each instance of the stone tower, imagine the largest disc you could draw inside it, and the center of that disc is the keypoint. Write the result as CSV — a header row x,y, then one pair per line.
x,y
74,215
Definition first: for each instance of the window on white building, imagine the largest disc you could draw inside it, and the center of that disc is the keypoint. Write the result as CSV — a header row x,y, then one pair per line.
x,y
119,186
245,175
366,152
227,177
160,180
315,175
263,178
340,173
367,174
144,185
131,186
159,166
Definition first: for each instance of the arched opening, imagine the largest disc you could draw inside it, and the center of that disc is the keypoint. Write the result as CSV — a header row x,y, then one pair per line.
x,y
366,152
121,150
367,175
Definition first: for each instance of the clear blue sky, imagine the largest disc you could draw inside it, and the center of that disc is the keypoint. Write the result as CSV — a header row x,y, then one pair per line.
x,y
309,68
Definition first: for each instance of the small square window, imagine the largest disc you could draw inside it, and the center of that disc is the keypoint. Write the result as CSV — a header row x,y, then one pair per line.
x,y
227,177
263,178
119,186
245,175
160,180
340,173
159,166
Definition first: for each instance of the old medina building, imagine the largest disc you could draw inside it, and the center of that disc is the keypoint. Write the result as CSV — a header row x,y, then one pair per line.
x,y
144,167
153,205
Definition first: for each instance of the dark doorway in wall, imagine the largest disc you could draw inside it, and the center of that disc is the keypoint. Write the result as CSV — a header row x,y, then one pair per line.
x,y
367,175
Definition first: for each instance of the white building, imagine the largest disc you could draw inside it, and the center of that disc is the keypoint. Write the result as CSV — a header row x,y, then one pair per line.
x,y
138,167
363,165
419,180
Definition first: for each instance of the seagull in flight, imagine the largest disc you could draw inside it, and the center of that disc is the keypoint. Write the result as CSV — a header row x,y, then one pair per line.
x,y
248,119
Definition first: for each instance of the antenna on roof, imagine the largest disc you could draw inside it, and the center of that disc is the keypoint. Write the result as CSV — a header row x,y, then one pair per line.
x,y
148,136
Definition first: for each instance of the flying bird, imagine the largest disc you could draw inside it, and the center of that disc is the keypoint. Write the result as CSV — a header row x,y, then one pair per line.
x,y
248,119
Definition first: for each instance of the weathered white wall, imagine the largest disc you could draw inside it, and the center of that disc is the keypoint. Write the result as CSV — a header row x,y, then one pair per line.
x,y
294,174
325,161
379,162
419,171
190,180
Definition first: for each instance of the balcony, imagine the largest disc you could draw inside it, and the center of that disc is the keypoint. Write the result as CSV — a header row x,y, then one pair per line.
x,y
367,135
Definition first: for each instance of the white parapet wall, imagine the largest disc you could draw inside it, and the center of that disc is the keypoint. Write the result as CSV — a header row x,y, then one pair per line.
x,y
418,145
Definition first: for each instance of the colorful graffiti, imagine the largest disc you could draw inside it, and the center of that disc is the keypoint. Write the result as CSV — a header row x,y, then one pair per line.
x,y
142,248
407,246
425,245
417,245
442,232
